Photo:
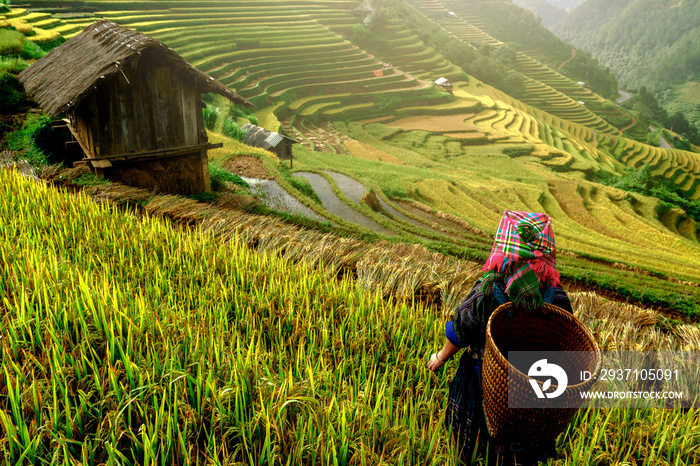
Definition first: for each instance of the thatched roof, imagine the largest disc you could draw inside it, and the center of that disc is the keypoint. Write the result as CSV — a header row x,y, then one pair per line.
x,y
61,79
260,137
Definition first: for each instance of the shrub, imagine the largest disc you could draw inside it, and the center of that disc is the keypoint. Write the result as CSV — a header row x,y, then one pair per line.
x,y
13,65
218,176
12,97
23,140
232,130
11,42
682,143
210,114
32,51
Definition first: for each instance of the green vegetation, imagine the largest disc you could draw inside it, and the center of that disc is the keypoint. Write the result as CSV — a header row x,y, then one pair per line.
x,y
238,112
644,103
12,97
219,175
211,115
587,69
90,179
11,42
641,181
642,42
24,140
232,130
184,372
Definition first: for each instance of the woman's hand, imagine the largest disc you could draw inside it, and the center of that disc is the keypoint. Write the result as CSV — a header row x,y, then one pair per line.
x,y
435,362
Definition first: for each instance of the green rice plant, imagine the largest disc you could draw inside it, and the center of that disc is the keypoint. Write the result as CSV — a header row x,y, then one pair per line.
x,y
179,345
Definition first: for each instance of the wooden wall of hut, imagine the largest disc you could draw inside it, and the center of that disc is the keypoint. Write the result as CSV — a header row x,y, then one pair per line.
x,y
143,108
182,174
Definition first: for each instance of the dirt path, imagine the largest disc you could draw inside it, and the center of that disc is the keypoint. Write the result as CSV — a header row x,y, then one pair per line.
x,y
573,54
663,143
634,122
624,96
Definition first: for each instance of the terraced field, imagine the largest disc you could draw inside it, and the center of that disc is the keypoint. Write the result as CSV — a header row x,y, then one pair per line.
x,y
417,181
471,155
39,27
679,166
468,27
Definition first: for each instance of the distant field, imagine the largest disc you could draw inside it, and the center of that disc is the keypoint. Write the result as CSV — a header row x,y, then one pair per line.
x,y
691,92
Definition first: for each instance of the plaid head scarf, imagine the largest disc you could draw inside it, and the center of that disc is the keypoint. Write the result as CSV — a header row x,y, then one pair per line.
x,y
523,256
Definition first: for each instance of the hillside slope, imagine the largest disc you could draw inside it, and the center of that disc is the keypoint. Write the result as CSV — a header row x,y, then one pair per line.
x,y
445,166
644,42
133,341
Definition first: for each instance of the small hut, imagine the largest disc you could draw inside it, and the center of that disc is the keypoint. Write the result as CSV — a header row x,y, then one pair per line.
x,y
445,84
132,104
274,142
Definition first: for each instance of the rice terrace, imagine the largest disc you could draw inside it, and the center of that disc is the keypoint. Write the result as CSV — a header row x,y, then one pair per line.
x,y
172,292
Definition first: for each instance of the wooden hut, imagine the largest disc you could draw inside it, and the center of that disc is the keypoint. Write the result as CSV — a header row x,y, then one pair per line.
x,y
445,84
133,105
269,140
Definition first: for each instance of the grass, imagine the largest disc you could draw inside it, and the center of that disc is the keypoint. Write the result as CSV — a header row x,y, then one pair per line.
x,y
23,140
192,372
11,42
159,351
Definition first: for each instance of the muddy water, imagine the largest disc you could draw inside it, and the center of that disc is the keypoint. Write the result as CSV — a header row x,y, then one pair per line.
x,y
275,197
334,205
354,190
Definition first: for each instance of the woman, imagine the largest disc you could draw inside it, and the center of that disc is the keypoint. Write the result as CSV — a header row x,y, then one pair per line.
x,y
521,269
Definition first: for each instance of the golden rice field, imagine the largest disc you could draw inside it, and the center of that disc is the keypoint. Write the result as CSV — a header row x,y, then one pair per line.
x,y
129,340
363,151
435,123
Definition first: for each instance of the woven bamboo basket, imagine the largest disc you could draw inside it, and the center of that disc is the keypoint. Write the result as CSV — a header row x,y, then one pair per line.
x,y
550,329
